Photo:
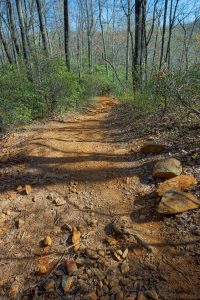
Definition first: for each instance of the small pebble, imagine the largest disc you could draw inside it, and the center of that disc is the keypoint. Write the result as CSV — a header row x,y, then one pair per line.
x,y
49,285
47,241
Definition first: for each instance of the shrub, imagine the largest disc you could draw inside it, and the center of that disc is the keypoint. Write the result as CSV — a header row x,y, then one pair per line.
x,y
53,89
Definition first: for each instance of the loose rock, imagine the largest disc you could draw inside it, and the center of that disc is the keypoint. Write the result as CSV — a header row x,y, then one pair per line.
x,y
152,294
180,182
120,296
105,289
115,290
42,270
47,241
123,225
111,241
124,267
71,266
19,223
100,275
91,253
91,296
49,285
59,202
141,296
67,283
174,202
101,253
167,168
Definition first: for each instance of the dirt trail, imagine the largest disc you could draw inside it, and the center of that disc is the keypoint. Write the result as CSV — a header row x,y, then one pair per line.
x,y
83,176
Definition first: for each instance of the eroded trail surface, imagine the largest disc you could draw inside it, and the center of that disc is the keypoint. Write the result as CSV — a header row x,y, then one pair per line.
x,y
83,176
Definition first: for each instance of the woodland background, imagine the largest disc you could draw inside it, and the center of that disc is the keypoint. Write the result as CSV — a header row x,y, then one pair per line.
x,y
56,56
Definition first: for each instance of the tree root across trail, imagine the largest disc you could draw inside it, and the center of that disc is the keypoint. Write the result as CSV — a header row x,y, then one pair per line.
x,y
79,218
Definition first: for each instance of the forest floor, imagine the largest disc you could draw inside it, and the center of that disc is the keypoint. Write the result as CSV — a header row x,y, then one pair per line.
x,y
88,183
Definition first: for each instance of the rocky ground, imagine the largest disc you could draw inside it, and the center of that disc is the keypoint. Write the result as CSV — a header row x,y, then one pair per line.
x,y
89,211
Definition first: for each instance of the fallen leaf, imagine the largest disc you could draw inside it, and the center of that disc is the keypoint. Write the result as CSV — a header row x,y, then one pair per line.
x,y
28,189
14,290
42,270
117,256
111,241
125,253
76,238
19,189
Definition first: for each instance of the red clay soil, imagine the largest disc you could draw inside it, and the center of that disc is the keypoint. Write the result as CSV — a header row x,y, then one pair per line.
x,y
83,176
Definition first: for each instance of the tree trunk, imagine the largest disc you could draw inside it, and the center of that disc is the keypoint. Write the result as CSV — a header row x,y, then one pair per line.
x,y
43,28
102,35
127,36
24,39
5,47
89,25
66,33
138,31
140,23
163,33
12,27
172,17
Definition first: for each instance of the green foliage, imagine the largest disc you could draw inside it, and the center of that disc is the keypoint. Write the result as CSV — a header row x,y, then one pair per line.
x,y
58,88
17,94
141,103
97,84
53,90
161,95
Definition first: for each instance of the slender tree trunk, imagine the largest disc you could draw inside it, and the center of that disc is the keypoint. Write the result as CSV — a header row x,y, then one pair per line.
x,y
89,25
172,17
140,23
43,28
138,31
66,33
103,39
5,47
156,42
127,36
143,33
163,33
113,38
24,39
12,27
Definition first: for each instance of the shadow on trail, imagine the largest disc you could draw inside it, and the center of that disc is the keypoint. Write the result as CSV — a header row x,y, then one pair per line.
x,y
60,165
45,174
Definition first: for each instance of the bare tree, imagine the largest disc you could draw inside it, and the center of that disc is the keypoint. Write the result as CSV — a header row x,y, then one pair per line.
x,y
66,33
25,47
43,28
172,18
163,33
12,26
102,35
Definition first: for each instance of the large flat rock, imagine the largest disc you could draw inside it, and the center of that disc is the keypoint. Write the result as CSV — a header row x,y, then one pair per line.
x,y
175,201
181,182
